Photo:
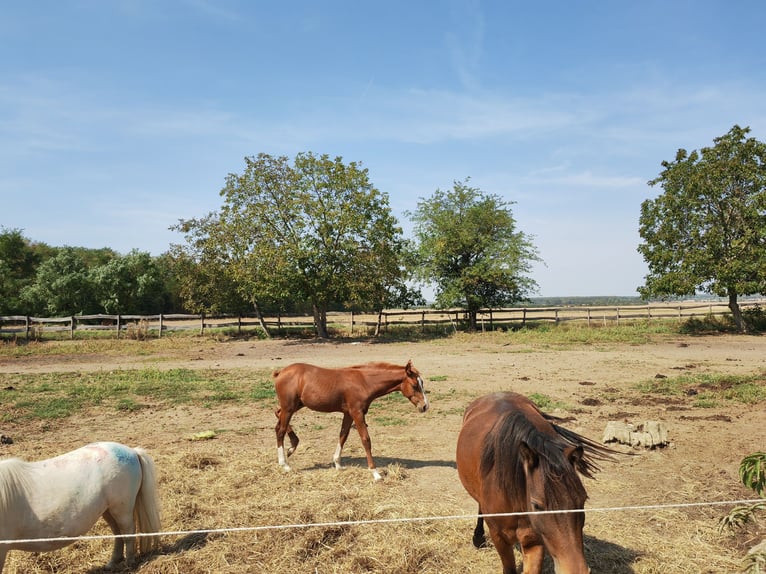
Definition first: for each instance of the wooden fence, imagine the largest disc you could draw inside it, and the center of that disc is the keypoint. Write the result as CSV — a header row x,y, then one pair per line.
x,y
487,319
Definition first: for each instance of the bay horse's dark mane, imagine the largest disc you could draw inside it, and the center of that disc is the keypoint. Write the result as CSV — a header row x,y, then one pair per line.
x,y
502,456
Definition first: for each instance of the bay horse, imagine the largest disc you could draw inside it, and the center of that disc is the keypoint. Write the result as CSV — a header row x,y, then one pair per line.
x,y
513,458
349,390
63,497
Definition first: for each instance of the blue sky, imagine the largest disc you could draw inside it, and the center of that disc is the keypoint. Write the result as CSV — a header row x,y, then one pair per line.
x,y
118,118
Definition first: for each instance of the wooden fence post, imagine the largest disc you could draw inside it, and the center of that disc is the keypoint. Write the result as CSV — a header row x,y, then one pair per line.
x,y
71,328
161,323
202,324
352,322
589,317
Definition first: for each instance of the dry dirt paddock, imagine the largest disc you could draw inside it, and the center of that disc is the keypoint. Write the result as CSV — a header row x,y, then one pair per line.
x,y
232,486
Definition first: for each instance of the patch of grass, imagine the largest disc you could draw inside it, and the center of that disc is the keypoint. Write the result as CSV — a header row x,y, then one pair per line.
x,y
710,388
59,395
438,378
389,421
544,402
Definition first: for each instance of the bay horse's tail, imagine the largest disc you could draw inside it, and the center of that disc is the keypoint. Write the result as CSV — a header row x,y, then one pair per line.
x,y
147,508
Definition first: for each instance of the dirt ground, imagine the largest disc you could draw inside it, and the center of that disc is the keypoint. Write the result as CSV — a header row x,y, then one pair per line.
x,y
594,384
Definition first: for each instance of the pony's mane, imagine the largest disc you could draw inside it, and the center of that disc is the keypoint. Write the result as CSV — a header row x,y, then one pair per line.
x,y
502,456
14,481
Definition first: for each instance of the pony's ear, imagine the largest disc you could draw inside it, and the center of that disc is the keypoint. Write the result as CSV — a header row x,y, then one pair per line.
x,y
408,367
574,455
529,457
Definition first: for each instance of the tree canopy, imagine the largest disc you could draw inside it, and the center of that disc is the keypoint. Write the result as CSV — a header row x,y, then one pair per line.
x,y
468,246
706,232
314,230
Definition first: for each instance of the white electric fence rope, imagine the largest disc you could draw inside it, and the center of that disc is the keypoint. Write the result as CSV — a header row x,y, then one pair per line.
x,y
380,521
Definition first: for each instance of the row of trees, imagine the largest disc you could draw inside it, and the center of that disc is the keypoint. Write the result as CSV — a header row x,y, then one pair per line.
x,y
317,231
315,234
37,279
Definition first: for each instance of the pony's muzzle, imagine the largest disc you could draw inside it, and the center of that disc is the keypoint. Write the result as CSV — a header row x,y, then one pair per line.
x,y
422,407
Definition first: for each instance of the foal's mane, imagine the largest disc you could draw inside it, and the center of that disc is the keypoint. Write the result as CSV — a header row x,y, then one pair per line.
x,y
14,481
502,456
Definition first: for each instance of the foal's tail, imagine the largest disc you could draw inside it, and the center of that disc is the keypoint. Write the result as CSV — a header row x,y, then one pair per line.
x,y
147,509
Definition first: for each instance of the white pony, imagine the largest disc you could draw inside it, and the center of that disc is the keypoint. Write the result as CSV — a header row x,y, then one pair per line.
x,y
63,497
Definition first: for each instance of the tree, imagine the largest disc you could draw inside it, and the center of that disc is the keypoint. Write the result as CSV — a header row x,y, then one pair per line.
x,y
18,262
469,248
315,230
129,284
62,286
203,271
707,231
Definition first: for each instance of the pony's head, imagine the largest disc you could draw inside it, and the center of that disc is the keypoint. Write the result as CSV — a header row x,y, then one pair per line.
x,y
413,388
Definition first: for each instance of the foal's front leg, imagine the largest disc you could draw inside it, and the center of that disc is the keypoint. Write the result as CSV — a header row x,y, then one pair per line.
x,y
361,426
345,427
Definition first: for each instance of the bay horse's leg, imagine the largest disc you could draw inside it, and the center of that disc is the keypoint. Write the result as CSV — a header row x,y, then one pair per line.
x,y
532,556
479,538
282,428
504,548
361,426
345,427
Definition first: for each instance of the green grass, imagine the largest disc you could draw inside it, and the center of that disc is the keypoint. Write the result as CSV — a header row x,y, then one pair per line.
x,y
544,402
60,395
707,390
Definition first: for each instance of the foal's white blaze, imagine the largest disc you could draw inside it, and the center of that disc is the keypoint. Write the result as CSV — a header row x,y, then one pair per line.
x,y
423,391
281,458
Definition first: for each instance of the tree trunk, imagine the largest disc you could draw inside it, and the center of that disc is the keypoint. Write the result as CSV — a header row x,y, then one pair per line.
x,y
378,324
261,321
320,322
736,312
472,324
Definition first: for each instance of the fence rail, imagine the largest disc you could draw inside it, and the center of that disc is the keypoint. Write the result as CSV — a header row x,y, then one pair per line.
x,y
487,319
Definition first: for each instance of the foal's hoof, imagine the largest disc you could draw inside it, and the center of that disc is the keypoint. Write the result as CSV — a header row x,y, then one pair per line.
x,y
286,468
376,475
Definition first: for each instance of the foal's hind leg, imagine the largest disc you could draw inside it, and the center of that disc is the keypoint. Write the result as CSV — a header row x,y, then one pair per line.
x,y
345,427
283,427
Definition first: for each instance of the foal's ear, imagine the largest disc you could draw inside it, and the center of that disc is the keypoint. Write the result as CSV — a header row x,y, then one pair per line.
x,y
528,457
574,455
408,367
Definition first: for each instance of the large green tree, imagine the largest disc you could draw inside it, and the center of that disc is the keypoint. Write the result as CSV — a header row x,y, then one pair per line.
x,y
18,264
62,286
315,230
130,284
469,247
706,232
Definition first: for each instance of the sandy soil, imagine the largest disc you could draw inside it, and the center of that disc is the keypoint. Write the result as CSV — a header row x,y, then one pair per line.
x,y
594,383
